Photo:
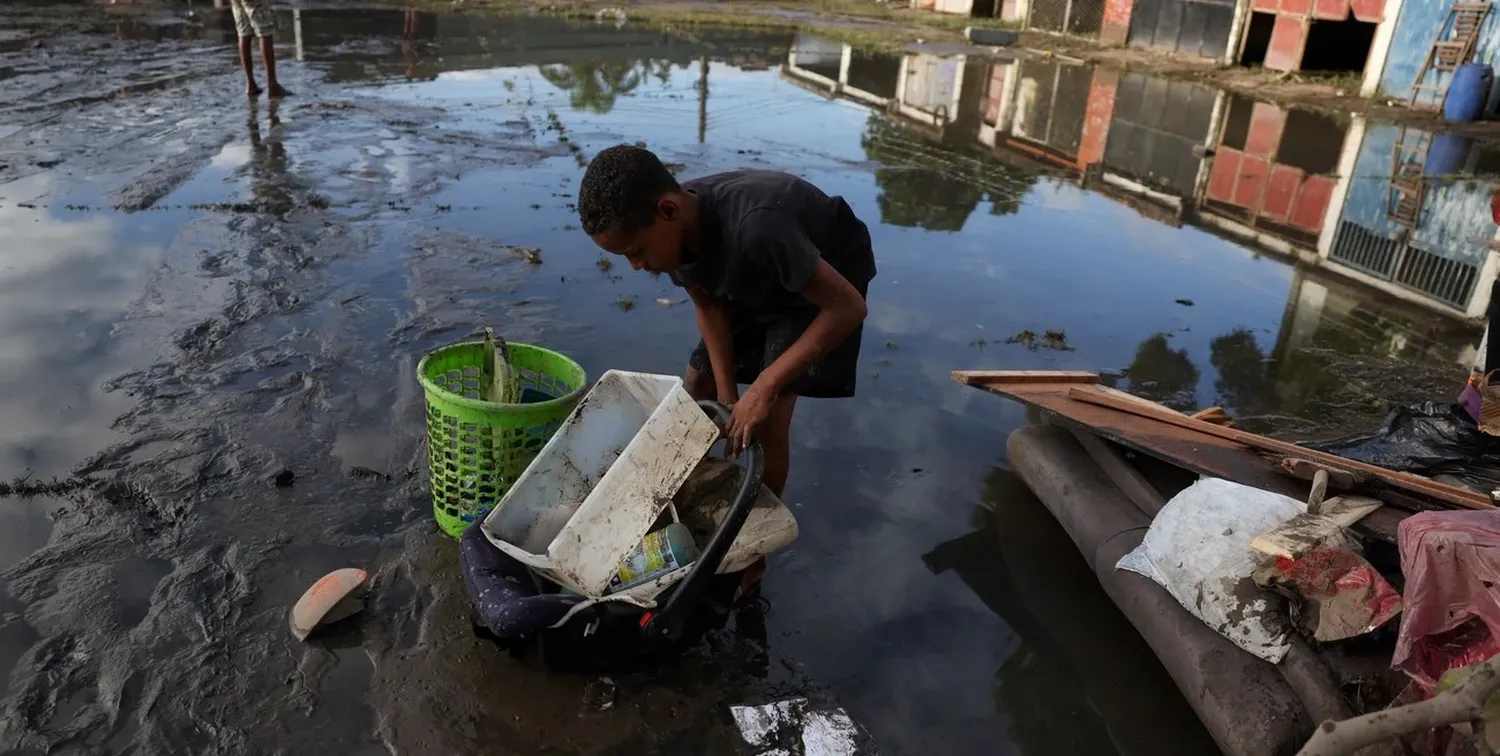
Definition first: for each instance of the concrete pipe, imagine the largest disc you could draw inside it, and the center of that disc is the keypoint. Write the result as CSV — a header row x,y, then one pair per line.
x,y
1242,700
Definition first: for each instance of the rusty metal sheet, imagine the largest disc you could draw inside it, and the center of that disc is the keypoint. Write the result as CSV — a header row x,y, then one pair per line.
x,y
1223,173
1267,122
1368,11
1312,203
1252,182
1330,10
1287,39
1282,189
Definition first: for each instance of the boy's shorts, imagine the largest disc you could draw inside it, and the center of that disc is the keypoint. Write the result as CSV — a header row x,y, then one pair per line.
x,y
253,18
758,342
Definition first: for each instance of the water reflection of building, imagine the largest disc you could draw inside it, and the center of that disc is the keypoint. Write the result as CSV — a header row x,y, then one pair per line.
x,y
376,43
1384,42
926,110
1375,204
1409,219
1076,679
1314,191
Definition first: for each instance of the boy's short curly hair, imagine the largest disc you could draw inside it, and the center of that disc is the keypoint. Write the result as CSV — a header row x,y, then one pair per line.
x,y
620,189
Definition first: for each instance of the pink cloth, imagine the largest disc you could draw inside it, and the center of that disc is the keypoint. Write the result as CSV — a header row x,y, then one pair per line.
x,y
1451,561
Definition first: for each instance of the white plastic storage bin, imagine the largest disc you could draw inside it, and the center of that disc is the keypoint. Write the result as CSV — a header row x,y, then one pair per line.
x,y
595,489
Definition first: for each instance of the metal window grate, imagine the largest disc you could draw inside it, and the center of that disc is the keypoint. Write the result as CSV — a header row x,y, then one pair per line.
x,y
1363,250
1448,281
1076,17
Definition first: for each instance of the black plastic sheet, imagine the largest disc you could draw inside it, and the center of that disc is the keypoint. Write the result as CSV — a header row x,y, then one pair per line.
x,y
1428,439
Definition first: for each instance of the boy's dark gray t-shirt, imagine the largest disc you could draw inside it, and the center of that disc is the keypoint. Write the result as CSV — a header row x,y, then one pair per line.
x,y
762,233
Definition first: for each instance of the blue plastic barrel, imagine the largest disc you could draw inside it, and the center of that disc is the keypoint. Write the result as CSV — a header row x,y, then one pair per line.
x,y
1446,157
1468,93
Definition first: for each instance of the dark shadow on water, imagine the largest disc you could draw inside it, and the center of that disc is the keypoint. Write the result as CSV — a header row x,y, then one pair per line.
x,y
1081,681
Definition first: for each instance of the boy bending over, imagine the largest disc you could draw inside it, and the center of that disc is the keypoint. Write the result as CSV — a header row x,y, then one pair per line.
x,y
777,271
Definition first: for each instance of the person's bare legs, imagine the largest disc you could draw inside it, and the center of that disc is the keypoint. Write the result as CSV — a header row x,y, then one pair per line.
x,y
246,62
268,56
776,440
699,384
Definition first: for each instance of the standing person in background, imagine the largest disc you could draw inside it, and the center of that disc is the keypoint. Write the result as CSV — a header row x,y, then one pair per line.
x,y
255,17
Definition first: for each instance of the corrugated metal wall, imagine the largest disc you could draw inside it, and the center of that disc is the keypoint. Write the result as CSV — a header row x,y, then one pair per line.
x,y
1195,27
1155,127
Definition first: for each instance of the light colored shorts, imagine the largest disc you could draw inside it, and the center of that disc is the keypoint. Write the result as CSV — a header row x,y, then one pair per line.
x,y
253,18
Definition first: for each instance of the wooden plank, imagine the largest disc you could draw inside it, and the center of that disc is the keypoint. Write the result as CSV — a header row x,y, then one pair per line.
x,y
1305,532
1123,474
1306,469
1196,452
971,377
1117,400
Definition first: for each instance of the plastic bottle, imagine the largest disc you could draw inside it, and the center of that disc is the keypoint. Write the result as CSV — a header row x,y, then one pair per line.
x,y
659,552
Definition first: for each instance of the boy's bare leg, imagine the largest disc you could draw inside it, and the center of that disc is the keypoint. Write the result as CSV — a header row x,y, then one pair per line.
x,y
699,384
776,440
251,88
268,55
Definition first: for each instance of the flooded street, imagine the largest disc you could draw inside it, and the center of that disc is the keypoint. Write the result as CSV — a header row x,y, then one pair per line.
x,y
199,292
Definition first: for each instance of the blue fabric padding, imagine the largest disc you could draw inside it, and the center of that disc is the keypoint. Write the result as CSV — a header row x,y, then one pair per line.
x,y
503,593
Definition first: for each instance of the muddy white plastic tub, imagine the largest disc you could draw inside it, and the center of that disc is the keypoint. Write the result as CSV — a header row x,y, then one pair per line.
x,y
602,480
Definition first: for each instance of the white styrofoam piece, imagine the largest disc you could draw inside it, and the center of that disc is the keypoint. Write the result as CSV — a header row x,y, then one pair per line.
x,y
599,483
822,732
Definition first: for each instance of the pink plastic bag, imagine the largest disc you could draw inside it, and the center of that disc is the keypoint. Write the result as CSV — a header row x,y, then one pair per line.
x,y
1451,561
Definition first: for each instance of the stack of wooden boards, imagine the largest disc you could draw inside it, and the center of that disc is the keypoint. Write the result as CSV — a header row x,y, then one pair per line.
x,y
1206,444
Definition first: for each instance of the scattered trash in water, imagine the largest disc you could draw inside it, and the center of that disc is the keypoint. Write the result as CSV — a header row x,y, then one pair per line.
x,y
626,304
1185,302
532,255
329,600
598,696
796,723
364,473
665,302
284,479
1056,341
605,264
24,487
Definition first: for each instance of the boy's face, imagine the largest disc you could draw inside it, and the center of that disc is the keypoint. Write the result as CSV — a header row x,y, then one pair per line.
x,y
657,248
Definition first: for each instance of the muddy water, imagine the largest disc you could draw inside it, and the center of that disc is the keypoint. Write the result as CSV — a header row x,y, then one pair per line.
x,y
199,292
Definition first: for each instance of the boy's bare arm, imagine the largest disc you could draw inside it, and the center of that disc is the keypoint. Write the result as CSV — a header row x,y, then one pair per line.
x,y
840,310
713,325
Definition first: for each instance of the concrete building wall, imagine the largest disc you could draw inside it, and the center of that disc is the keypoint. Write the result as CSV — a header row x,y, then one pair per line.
x,y
1416,28
1455,222
1448,259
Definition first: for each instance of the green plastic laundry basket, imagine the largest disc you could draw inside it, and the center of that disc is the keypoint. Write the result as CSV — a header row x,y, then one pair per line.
x,y
477,449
